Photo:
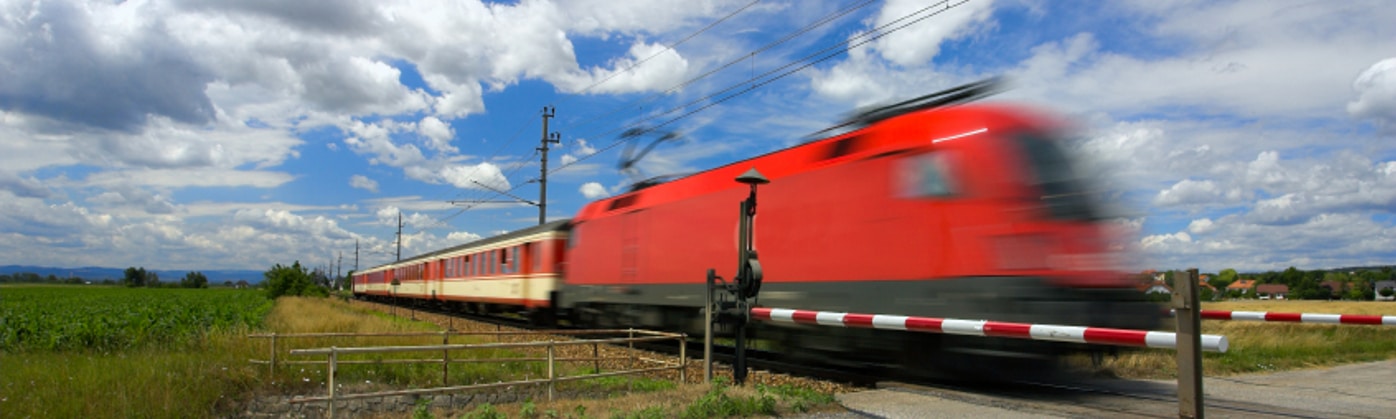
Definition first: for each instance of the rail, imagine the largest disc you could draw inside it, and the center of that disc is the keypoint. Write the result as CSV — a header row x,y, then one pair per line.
x,y
333,353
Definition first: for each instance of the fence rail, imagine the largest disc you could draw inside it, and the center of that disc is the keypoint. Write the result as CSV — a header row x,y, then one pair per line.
x,y
334,353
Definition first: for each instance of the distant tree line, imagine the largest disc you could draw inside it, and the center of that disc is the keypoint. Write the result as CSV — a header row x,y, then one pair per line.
x,y
139,277
33,278
132,277
1319,284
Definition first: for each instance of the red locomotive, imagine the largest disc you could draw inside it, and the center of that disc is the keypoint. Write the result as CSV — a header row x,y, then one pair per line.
x,y
968,211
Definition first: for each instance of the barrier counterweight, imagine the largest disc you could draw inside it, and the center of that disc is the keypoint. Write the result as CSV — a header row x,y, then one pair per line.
x,y
1076,334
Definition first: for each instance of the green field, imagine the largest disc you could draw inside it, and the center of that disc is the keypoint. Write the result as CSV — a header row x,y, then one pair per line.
x,y
101,351
98,318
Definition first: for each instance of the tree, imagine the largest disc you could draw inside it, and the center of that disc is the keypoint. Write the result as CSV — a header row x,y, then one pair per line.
x,y
134,277
1387,292
291,280
194,279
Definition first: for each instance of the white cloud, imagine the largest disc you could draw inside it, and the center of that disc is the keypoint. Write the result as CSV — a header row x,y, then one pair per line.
x,y
363,182
439,134
1188,191
663,67
593,190
466,177
919,43
1376,94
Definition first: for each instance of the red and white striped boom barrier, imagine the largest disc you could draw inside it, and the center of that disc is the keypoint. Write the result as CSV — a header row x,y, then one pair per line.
x,y
1076,334
1266,316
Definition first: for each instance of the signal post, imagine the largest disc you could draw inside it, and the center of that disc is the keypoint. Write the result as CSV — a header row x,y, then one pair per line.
x,y
744,286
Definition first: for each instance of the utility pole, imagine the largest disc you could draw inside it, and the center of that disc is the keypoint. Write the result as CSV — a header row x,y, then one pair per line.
x,y
542,203
548,112
356,254
399,236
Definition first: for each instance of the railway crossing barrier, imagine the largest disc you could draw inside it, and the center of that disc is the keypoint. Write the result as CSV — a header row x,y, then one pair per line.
x,y
987,328
1320,318
1188,341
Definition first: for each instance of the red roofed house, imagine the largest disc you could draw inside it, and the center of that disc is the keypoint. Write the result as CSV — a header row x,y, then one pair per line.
x,y
1336,288
1245,286
1275,291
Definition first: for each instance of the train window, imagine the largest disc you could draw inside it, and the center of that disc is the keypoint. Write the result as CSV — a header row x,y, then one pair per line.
x,y
927,175
623,202
843,147
514,261
1063,191
535,252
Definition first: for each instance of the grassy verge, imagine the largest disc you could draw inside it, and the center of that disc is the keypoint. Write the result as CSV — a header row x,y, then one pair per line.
x,y
1266,347
665,401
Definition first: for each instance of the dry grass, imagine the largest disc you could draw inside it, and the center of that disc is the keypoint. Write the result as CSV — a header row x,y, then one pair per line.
x,y
683,401
1267,346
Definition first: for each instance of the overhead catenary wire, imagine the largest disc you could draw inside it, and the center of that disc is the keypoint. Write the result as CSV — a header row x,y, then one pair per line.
x,y
758,81
746,86
667,48
744,57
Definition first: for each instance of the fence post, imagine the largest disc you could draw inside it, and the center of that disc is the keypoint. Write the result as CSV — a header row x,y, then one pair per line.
x,y
1189,344
445,358
595,359
551,374
683,358
333,361
272,368
708,328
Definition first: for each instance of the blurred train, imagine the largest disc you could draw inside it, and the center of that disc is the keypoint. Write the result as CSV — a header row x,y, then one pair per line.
x,y
931,207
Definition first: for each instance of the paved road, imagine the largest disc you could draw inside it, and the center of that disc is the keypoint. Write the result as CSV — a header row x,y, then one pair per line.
x,y
1352,391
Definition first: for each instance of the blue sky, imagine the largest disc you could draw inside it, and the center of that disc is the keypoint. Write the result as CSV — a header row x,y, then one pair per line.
x,y
198,134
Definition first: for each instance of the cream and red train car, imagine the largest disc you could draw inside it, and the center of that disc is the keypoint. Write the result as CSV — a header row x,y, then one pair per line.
x,y
968,211
516,271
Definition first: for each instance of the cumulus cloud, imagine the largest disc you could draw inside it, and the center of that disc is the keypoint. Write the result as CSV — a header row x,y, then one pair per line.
x,y
1188,191
23,187
363,182
100,65
480,176
918,44
1376,94
663,67
594,190
438,133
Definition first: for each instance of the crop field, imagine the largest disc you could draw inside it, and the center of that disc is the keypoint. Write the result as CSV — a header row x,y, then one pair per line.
x,y
70,318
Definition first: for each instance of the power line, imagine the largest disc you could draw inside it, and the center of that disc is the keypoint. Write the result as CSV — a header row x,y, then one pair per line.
x,y
668,48
767,78
771,76
816,24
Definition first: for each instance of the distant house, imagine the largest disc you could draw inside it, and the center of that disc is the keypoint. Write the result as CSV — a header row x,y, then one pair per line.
x,y
1245,286
1158,287
1272,291
1381,285
1335,288
242,284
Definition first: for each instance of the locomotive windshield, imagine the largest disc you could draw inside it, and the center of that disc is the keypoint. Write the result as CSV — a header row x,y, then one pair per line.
x,y
1063,191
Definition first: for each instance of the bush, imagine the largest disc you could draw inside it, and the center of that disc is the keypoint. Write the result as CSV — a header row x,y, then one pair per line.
x,y
292,280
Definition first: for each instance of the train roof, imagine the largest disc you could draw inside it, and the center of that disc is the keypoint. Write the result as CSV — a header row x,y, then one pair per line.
x,y
557,225
871,136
